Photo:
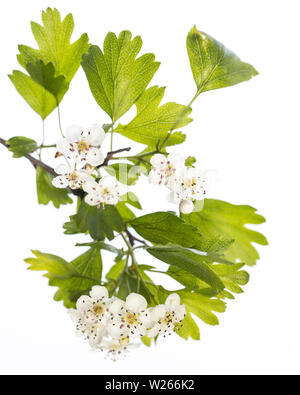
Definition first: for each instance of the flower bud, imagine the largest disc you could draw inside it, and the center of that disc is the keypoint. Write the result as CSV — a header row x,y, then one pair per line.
x,y
186,206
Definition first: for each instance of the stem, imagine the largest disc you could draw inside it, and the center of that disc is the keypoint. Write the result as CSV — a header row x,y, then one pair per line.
x,y
129,246
47,146
110,155
111,139
170,132
43,138
38,163
140,157
59,120
121,275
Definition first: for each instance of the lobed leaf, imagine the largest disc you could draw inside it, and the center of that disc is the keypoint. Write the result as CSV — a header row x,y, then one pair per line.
x,y
223,220
72,279
54,42
116,77
193,263
99,222
38,98
47,192
153,122
44,74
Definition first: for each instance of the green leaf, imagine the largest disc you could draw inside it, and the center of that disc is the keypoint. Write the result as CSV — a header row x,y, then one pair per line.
x,y
202,306
146,340
99,222
196,264
221,220
231,276
166,227
73,279
116,77
101,246
190,161
213,65
153,122
125,173
39,99
45,76
21,146
116,270
47,192
188,328
53,39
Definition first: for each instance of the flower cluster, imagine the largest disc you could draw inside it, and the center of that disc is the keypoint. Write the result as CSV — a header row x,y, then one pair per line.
x,y
82,148
186,184
112,325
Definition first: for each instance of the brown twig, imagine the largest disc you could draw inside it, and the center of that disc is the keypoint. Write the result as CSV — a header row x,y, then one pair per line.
x,y
35,162
111,154
38,163
132,239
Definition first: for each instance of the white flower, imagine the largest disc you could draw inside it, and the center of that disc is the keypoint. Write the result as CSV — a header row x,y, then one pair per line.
x,y
90,315
107,191
167,316
186,206
83,147
191,186
128,318
117,347
166,169
68,177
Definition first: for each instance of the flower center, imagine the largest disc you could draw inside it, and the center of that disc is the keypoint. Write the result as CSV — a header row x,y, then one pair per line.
x,y
73,176
98,309
131,318
82,146
168,318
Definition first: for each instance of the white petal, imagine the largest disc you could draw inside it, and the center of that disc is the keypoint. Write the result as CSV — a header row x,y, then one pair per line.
x,y
95,157
172,301
158,160
62,146
115,331
95,135
83,303
136,302
108,182
116,306
91,187
99,292
60,182
85,176
158,312
73,133
75,315
186,207
63,169
148,318
154,331
176,160
96,338
180,312
155,177
92,199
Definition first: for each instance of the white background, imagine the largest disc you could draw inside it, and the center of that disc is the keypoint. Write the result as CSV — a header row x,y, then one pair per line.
x,y
248,133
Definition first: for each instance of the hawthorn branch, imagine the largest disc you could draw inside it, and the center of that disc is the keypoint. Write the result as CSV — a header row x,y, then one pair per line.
x,y
132,239
34,161
38,163
110,155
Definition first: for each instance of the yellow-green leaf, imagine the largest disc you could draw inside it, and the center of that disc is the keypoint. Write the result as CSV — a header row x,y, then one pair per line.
x,y
213,65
